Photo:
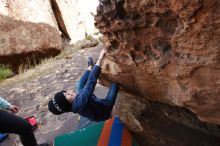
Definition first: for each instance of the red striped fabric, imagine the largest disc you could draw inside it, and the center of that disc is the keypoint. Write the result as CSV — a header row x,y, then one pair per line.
x,y
126,138
105,135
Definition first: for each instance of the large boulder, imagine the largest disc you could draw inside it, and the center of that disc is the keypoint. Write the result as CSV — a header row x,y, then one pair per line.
x,y
165,50
36,11
75,18
26,42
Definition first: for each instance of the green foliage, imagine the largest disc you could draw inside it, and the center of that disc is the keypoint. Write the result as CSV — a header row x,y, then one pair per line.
x,y
88,37
5,72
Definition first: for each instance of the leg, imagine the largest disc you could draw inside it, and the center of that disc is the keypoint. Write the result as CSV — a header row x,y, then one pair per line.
x,y
82,82
13,124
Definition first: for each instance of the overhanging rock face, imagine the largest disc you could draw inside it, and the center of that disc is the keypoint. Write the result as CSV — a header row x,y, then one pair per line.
x,y
165,50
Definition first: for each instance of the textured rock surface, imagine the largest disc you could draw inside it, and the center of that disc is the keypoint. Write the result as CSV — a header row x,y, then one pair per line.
x,y
25,42
164,125
165,50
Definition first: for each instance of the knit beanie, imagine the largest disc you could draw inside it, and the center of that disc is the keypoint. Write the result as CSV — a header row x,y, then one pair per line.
x,y
59,104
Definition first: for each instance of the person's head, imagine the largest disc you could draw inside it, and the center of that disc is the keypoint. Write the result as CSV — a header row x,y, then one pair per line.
x,y
61,102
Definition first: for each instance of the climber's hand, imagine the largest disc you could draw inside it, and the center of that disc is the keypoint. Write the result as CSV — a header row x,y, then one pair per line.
x,y
13,109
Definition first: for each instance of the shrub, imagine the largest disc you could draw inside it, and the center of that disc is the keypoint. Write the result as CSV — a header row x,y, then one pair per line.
x,y
88,37
5,72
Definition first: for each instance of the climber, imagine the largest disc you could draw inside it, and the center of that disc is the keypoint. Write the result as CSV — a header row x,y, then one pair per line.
x,y
85,102
10,123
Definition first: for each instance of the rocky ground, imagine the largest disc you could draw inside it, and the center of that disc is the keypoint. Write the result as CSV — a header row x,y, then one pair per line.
x,y
32,90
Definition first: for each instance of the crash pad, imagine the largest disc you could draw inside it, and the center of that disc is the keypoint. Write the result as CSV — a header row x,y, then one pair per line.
x,y
109,133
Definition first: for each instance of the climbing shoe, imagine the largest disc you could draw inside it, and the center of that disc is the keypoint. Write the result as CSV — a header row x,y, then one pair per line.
x,y
90,62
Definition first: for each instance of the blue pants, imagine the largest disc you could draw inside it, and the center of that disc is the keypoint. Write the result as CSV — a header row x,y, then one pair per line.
x,y
110,98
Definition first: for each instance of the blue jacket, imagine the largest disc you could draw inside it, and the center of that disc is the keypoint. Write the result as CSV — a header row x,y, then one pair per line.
x,y
87,104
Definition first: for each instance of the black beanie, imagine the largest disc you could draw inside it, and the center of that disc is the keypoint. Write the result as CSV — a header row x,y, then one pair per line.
x,y
59,104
